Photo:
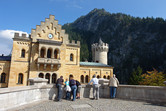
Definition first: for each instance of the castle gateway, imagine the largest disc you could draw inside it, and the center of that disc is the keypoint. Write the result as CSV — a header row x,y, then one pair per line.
x,y
48,53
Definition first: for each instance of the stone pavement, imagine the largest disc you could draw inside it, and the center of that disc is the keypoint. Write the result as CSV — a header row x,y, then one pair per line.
x,y
93,105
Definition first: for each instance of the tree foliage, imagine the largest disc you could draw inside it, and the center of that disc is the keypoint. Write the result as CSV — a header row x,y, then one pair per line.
x,y
136,76
153,78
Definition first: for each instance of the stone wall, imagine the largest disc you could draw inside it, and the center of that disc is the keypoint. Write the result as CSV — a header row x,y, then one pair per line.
x,y
145,93
17,96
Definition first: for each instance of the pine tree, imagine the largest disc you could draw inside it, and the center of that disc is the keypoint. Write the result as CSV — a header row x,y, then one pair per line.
x,y
136,76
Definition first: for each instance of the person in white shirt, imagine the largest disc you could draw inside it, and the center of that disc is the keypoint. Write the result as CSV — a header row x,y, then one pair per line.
x,y
113,84
95,83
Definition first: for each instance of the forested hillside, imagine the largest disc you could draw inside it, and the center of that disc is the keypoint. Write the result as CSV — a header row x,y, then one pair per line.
x,y
133,41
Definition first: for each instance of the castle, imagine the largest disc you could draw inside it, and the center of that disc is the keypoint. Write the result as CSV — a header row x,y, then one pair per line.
x,y
48,53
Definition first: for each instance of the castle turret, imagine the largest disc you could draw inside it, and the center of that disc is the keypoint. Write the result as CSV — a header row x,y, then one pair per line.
x,y
99,52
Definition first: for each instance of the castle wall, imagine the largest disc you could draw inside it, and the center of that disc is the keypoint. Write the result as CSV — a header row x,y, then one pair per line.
x,y
58,70
19,65
98,71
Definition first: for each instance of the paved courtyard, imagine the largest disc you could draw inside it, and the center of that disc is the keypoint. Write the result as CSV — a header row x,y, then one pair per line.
x,y
93,105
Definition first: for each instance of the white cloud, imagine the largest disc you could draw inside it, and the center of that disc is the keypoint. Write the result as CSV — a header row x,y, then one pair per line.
x,y
77,6
71,3
9,34
6,40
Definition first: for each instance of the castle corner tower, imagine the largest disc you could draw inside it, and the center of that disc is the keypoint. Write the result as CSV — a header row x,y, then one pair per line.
x,y
99,52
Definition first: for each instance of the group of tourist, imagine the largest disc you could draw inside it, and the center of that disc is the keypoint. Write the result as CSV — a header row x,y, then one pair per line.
x,y
73,87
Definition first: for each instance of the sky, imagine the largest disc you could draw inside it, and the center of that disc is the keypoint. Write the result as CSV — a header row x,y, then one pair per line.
x,y
23,15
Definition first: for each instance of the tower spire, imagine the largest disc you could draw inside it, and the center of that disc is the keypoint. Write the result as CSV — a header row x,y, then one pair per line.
x,y
100,41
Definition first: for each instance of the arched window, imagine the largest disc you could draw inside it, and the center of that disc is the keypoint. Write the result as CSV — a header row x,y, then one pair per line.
x,y
86,79
20,78
48,77
108,77
55,30
3,78
98,76
54,78
41,75
58,35
104,77
23,53
49,51
82,78
71,57
42,53
56,54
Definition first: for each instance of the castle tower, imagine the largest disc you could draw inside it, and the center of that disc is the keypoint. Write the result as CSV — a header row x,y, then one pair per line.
x,y
99,52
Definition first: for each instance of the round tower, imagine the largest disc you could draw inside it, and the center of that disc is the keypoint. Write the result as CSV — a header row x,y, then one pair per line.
x,y
99,52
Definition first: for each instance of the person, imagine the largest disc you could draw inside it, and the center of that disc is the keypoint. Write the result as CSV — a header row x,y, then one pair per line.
x,y
113,84
73,86
67,89
78,84
95,82
59,84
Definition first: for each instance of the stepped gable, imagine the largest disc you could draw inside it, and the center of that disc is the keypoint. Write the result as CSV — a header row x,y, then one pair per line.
x,y
49,27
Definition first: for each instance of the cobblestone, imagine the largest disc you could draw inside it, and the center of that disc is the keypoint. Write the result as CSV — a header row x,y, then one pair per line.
x,y
94,105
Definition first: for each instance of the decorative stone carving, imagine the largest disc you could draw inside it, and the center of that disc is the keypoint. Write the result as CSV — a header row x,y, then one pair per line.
x,y
45,65
58,66
38,66
39,82
52,66
103,81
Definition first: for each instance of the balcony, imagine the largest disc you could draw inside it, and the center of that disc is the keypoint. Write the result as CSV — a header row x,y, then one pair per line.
x,y
48,61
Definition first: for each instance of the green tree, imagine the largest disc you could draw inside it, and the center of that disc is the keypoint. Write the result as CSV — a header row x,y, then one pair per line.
x,y
136,77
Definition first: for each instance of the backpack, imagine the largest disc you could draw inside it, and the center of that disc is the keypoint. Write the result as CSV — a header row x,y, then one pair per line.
x,y
78,83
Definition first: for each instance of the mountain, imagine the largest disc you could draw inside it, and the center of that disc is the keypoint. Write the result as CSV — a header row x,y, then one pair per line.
x,y
133,41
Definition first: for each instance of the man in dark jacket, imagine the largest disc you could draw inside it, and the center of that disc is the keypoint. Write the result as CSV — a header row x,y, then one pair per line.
x,y
59,84
73,86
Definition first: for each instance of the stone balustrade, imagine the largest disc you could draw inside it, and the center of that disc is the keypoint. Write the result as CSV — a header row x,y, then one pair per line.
x,y
39,90
48,61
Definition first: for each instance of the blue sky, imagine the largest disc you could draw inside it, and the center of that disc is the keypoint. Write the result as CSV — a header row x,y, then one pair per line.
x,y
23,15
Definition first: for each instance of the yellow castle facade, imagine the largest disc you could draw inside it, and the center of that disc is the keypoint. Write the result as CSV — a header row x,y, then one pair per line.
x,y
48,53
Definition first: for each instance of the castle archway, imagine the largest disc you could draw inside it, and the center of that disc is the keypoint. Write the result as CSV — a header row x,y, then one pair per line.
x,y
41,75
82,78
47,76
54,78
3,78
108,77
86,79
